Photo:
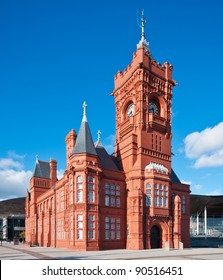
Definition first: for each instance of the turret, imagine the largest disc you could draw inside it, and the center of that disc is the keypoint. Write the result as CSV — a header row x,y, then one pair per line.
x,y
70,143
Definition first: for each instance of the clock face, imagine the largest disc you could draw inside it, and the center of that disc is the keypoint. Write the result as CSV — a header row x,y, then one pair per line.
x,y
153,108
131,110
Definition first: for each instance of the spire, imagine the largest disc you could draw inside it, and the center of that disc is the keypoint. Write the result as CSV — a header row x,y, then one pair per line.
x,y
106,161
143,43
84,143
98,142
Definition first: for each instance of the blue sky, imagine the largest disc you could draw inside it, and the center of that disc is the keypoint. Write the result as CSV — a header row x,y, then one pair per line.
x,y
56,54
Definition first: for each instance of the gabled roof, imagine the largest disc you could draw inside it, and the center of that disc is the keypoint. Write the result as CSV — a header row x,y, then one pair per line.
x,y
84,143
42,169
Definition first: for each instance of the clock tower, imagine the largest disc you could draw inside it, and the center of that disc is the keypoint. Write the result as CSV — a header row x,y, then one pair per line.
x,y
143,102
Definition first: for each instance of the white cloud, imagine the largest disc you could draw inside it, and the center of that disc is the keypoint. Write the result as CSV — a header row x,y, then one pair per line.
x,y
206,147
197,187
14,183
186,182
6,163
14,180
214,160
109,143
60,173
12,154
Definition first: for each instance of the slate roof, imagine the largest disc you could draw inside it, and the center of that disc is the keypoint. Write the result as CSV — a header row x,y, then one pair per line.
x,y
174,177
105,159
84,143
42,169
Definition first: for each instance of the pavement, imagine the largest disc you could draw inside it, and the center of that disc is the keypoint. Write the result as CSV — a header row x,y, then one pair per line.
x,y
9,251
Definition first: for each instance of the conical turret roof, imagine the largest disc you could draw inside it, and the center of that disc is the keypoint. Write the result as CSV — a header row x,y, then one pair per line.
x,y
84,143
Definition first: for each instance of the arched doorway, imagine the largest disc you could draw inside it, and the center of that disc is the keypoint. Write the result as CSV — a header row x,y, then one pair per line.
x,y
155,237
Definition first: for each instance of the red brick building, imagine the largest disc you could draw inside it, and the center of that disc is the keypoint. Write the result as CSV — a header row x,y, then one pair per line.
x,y
132,199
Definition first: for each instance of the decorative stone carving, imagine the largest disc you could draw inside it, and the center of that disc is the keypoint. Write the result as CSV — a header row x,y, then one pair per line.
x,y
159,168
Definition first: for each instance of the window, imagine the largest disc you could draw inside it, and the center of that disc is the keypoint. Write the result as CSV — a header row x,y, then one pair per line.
x,y
160,201
80,217
91,179
91,189
112,195
161,195
79,234
183,204
91,224
156,201
79,226
79,187
91,234
79,179
112,234
91,217
107,200
118,202
148,200
107,234
148,194
91,196
112,201
79,195
91,227
112,228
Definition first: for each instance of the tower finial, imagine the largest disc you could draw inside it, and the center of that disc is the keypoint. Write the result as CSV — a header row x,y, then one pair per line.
x,y
84,112
99,135
143,22
143,43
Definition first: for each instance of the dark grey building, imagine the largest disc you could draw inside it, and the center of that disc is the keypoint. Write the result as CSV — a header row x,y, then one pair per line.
x,y
12,218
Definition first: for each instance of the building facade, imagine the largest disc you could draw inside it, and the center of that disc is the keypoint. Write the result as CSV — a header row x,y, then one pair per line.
x,y
131,199
12,227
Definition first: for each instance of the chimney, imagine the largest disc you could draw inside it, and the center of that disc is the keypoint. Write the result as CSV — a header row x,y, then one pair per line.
x,y
53,171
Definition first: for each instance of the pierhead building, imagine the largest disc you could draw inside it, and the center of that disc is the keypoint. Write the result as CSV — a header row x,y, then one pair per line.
x,y
131,199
